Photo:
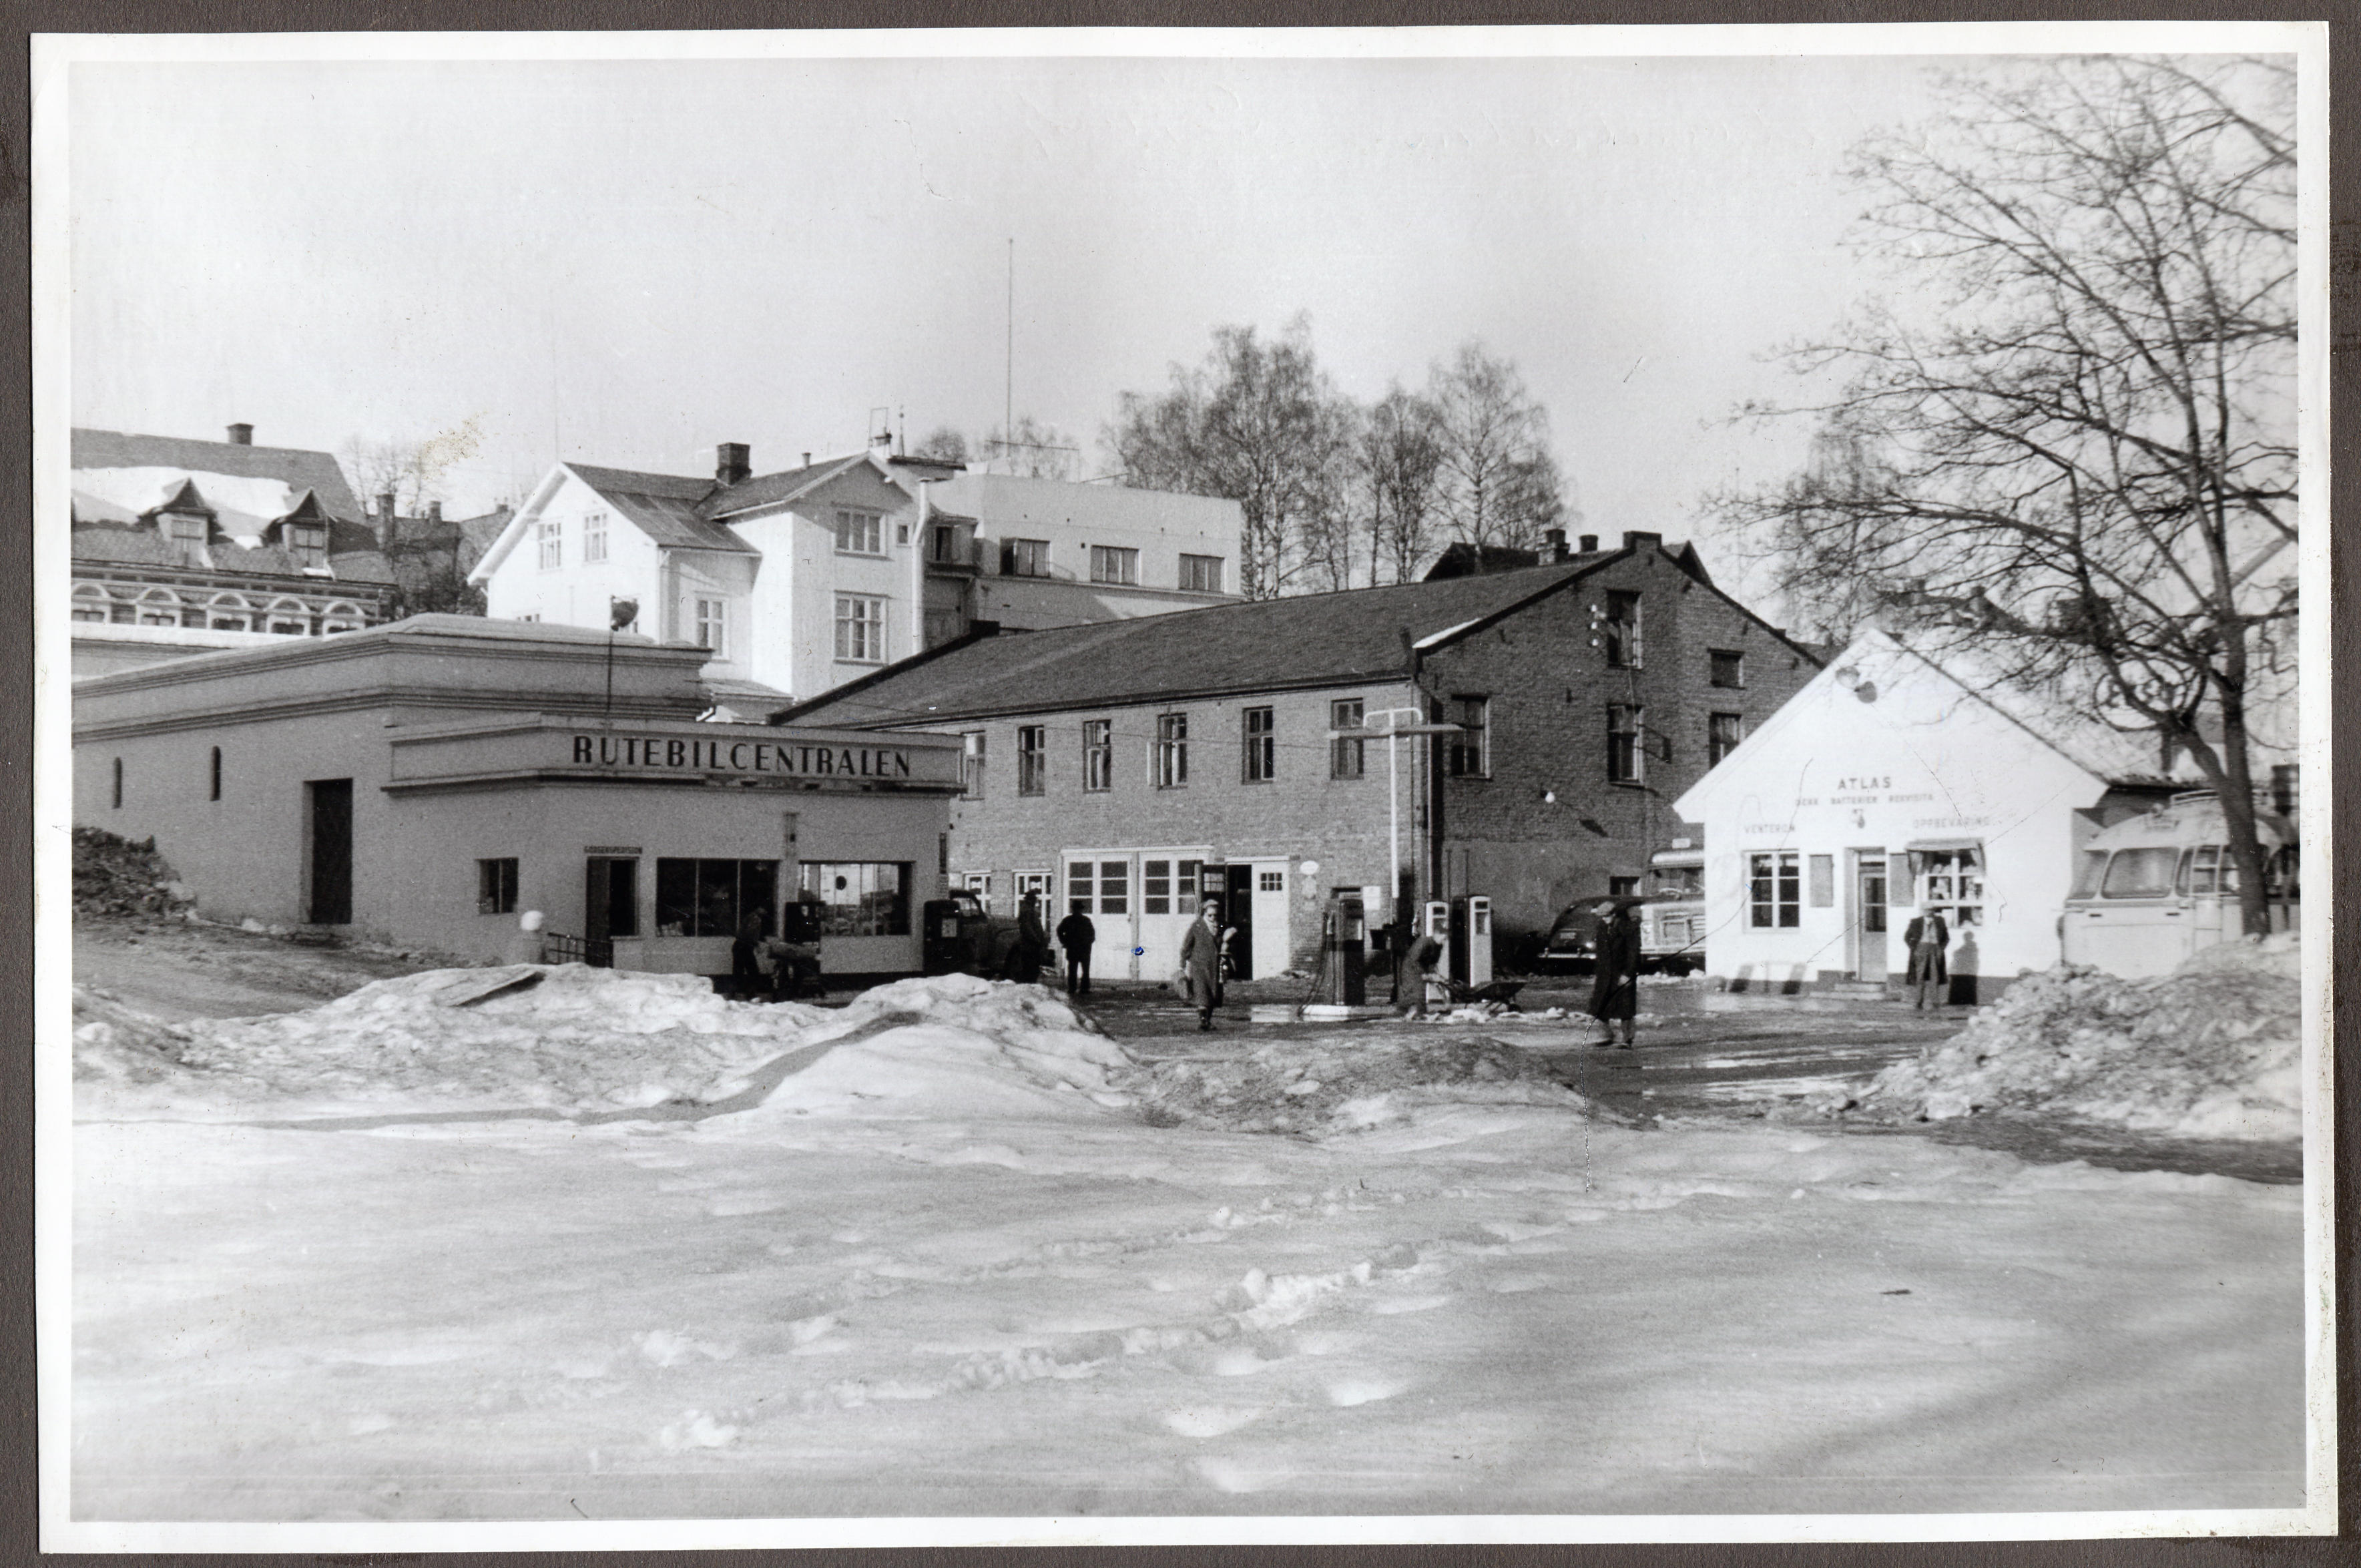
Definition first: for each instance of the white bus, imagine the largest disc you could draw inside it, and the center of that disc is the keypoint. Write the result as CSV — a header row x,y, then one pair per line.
x,y
2156,888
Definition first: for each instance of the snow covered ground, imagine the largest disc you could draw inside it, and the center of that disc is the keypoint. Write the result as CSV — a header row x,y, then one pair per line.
x,y
946,1253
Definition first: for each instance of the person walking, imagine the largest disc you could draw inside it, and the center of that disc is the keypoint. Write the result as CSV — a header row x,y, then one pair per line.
x,y
1201,961
1075,936
1615,977
1417,967
1928,938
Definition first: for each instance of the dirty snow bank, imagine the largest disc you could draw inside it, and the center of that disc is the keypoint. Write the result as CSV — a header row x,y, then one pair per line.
x,y
1340,1084
572,1038
2211,1051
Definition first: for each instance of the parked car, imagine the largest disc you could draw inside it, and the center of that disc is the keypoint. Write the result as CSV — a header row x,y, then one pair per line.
x,y
1672,922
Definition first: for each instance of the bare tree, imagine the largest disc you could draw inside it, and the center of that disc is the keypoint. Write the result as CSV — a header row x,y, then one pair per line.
x,y
1499,483
1033,449
2081,461
412,472
1256,423
1401,460
942,445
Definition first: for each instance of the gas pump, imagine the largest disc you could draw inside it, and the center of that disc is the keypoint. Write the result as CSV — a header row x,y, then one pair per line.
x,y
1434,920
1471,941
1345,933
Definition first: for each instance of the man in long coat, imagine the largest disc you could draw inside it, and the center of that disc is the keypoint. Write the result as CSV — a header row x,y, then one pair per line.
x,y
1076,936
1201,961
1927,937
1615,978
1032,943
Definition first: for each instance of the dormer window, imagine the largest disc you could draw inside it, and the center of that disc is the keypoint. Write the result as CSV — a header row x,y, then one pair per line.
x,y
307,544
184,536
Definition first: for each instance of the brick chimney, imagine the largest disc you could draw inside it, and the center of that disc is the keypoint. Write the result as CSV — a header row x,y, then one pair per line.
x,y
241,435
1589,543
385,517
1553,544
1633,540
733,463
433,511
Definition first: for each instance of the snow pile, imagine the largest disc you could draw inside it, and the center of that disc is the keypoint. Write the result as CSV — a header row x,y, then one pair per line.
x,y
119,1045
1329,1085
122,878
2211,1051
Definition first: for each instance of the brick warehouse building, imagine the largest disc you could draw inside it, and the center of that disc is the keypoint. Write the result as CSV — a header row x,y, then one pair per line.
x,y
1119,767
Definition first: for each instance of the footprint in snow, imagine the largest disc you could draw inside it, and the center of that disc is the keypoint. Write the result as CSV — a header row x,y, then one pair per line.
x,y
1209,1420
1366,1389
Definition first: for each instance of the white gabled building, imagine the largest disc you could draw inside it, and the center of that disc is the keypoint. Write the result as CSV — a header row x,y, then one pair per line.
x,y
1891,784
802,580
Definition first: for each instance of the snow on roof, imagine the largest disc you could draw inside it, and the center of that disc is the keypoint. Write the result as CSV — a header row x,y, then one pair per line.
x,y
1434,639
240,499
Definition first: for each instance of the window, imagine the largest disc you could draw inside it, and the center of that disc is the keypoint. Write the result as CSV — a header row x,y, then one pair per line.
x,y
1773,891
860,629
1346,758
212,790
860,898
550,532
709,898
860,534
594,536
495,886
1171,750
159,608
1201,573
529,620
1156,887
1025,558
1261,764
713,626
1622,887
1729,669
89,604
1077,887
902,532
1114,887
1951,882
947,544
1626,760
1723,732
1098,755
1032,759
1270,881
1622,629
971,764
1109,564
186,535
307,543
1470,755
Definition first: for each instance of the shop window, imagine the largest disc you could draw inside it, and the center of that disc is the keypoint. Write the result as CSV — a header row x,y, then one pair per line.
x,y
1346,757
1470,752
1111,564
550,532
1023,557
860,629
212,786
971,764
1951,883
1259,731
1032,759
1723,732
860,534
708,898
1201,573
1773,890
1726,668
1098,755
1626,758
860,898
713,627
594,536
495,886
1622,629
1171,750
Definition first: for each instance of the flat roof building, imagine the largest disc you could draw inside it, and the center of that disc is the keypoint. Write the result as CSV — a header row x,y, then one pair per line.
x,y
425,782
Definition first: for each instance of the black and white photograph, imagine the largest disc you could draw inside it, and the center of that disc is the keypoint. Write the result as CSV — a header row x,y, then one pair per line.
x,y
1132,787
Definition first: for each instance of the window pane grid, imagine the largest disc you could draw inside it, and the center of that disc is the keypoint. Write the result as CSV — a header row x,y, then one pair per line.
x,y
859,898
1261,739
1348,759
1032,759
1098,755
861,629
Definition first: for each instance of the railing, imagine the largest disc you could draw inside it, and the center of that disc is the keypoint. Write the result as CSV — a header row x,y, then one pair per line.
x,y
559,947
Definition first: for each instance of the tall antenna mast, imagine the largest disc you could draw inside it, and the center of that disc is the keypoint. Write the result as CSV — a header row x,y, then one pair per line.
x,y
1008,386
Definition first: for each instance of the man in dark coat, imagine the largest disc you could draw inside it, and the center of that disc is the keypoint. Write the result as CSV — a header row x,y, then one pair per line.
x,y
1201,961
1615,978
1032,943
747,980
1418,962
1927,937
1075,936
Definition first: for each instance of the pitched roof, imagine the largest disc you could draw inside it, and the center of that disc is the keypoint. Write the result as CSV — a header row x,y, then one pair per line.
x,y
353,553
663,506
298,469
1330,639
2086,740
772,489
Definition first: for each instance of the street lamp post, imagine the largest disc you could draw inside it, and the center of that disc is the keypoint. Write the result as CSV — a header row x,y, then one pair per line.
x,y
1393,732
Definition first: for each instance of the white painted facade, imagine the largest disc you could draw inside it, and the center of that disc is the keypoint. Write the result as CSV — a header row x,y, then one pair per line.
x,y
1884,788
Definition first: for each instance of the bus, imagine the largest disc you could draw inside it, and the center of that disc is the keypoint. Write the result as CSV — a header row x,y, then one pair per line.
x,y
2156,888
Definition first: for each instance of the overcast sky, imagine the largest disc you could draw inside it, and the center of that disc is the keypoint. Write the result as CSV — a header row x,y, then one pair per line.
x,y
628,262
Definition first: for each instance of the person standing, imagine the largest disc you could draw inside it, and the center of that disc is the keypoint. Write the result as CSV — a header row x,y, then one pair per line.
x,y
1201,961
1417,967
1928,938
747,979
1615,978
1075,937
1032,943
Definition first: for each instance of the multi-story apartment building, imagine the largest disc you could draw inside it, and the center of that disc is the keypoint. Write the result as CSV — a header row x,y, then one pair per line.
x,y
802,580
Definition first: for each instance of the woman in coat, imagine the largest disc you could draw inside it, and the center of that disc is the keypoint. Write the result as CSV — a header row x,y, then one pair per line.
x,y
1201,961
1615,978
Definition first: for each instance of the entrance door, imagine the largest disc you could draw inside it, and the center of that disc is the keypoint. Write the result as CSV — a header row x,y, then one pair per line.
x,y
1269,905
329,805
1868,904
1238,912
610,905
